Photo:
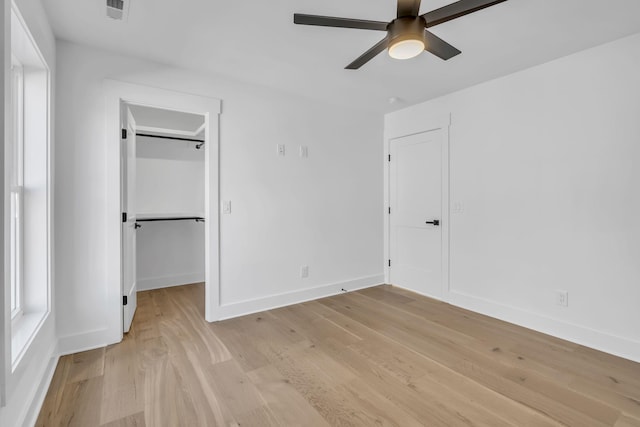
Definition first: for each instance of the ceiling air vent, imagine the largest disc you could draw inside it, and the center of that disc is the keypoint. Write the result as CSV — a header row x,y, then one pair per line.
x,y
118,9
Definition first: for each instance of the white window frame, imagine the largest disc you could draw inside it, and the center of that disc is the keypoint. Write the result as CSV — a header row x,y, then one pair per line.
x,y
31,194
17,190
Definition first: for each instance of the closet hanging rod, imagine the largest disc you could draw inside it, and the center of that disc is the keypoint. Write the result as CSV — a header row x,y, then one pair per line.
x,y
177,138
178,218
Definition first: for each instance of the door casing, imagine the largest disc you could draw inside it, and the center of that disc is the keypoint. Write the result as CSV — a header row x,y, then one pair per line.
x,y
118,93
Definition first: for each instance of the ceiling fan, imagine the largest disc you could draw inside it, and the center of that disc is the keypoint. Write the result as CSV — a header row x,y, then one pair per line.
x,y
407,35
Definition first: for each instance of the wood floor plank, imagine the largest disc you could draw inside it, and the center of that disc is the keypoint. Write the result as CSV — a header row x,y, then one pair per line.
x,y
237,395
627,421
246,334
374,407
240,347
53,400
123,383
166,401
258,417
288,406
429,408
314,327
617,380
197,381
80,406
397,369
85,365
380,356
320,386
189,329
628,405
135,420
385,294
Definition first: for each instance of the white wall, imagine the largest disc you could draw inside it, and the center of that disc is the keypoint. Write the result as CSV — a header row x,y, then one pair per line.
x,y
26,384
324,211
169,177
545,166
169,180
169,253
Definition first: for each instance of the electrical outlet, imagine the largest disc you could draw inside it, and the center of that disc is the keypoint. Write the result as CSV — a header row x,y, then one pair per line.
x,y
281,149
304,271
562,298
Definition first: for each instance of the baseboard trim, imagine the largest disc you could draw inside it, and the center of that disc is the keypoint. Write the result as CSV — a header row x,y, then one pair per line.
x,y
618,346
41,391
227,311
168,281
85,341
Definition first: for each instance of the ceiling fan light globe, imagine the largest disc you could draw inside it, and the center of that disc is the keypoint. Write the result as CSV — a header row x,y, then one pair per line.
x,y
406,49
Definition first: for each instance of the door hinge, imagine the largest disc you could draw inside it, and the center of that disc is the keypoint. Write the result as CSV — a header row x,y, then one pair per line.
x,y
124,217
124,134
389,210
124,300
389,157
389,263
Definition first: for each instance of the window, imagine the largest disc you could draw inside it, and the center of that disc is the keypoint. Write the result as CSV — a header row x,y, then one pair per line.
x,y
17,185
28,182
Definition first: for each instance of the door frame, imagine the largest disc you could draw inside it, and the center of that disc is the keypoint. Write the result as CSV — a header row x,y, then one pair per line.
x,y
118,93
391,132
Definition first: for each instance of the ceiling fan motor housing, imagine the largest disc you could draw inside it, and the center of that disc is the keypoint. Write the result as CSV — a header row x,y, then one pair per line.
x,y
406,28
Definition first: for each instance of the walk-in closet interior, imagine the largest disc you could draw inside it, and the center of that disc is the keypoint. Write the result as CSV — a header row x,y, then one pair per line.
x,y
169,193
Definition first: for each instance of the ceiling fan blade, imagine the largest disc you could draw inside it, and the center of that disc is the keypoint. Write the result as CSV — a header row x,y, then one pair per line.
x,y
408,8
439,47
329,21
369,55
456,10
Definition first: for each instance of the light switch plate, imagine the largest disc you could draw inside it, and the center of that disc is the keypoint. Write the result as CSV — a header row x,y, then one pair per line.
x,y
304,151
226,206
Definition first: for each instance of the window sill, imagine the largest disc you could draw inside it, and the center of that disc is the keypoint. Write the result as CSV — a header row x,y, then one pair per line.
x,y
23,332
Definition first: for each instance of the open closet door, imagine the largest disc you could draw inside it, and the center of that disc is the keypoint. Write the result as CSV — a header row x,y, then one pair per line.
x,y
129,226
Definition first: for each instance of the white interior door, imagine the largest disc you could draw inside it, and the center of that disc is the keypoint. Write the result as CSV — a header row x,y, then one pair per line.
x,y
129,287
415,179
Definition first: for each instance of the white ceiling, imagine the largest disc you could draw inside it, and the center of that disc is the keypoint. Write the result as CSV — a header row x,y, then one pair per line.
x,y
256,41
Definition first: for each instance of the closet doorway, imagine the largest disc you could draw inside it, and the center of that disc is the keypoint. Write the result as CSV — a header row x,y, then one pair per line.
x,y
119,98
163,201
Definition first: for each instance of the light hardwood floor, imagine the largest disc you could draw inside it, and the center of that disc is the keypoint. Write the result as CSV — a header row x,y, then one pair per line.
x,y
380,356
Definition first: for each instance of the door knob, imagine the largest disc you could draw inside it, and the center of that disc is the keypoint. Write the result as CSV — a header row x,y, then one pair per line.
x,y
435,222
